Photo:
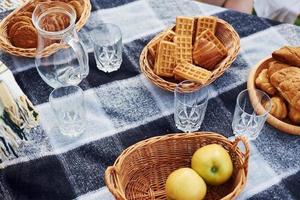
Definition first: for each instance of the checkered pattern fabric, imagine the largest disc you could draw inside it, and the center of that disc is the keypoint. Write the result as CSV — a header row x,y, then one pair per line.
x,y
123,108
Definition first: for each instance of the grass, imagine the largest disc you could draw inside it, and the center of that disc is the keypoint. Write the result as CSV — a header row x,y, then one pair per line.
x,y
297,22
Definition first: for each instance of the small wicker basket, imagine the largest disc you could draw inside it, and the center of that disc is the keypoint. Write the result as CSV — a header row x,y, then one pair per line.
x,y
141,170
6,45
224,32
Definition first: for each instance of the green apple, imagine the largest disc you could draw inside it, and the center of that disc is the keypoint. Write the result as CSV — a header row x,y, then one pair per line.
x,y
213,163
185,184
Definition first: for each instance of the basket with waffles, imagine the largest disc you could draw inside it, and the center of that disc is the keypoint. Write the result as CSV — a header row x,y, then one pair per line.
x,y
141,171
206,45
18,35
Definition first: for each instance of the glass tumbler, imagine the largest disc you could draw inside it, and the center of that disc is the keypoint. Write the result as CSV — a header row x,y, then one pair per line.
x,y
107,41
250,114
190,107
68,105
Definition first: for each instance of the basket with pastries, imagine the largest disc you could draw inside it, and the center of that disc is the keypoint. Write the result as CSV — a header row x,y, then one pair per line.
x,y
199,49
279,77
18,36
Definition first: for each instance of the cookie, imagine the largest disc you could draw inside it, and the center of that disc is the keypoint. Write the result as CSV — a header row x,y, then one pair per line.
x,y
25,37
25,13
15,27
16,19
78,8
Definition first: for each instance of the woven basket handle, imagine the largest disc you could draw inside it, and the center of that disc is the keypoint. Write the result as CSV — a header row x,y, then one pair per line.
x,y
245,154
112,182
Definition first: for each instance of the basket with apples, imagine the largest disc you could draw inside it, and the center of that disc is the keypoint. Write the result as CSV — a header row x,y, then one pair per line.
x,y
185,166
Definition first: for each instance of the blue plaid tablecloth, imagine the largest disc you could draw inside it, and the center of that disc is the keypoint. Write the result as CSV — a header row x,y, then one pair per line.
x,y
123,108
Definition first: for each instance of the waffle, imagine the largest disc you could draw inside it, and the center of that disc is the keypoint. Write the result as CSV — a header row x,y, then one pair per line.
x,y
191,72
169,36
184,48
208,35
206,54
205,23
184,26
184,38
153,48
165,62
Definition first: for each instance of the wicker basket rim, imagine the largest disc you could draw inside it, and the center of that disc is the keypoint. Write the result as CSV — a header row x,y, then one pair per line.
x,y
155,139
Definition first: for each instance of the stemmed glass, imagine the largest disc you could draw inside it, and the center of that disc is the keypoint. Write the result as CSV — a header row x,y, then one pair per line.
x,y
190,106
250,114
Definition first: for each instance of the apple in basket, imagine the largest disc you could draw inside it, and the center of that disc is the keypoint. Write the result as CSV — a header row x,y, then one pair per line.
x,y
213,163
185,184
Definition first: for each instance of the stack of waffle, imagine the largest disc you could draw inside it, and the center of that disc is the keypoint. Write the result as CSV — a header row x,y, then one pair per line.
x,y
189,53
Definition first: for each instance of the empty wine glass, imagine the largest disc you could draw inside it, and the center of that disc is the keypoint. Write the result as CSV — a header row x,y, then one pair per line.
x,y
250,114
190,106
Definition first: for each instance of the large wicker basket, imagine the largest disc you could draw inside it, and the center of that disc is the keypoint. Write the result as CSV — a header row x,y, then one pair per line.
x,y
6,45
224,32
141,170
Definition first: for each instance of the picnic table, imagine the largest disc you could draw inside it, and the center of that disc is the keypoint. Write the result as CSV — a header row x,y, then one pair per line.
x,y
123,107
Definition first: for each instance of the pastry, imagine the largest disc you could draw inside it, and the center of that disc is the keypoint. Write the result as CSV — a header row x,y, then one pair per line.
x,y
165,62
184,39
25,37
78,8
204,23
288,55
191,72
262,82
206,54
208,35
294,115
287,82
278,109
275,66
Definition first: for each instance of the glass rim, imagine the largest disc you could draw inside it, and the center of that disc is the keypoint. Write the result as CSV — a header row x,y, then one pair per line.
x,y
267,111
54,33
104,24
205,99
67,86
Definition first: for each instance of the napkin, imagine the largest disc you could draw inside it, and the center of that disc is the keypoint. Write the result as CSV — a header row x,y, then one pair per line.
x,y
17,114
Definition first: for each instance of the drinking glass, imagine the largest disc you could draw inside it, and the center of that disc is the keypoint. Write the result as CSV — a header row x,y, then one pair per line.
x,y
68,105
250,115
190,106
107,40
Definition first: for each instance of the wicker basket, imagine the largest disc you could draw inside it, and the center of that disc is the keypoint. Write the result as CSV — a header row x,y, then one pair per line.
x,y
224,32
141,170
6,45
